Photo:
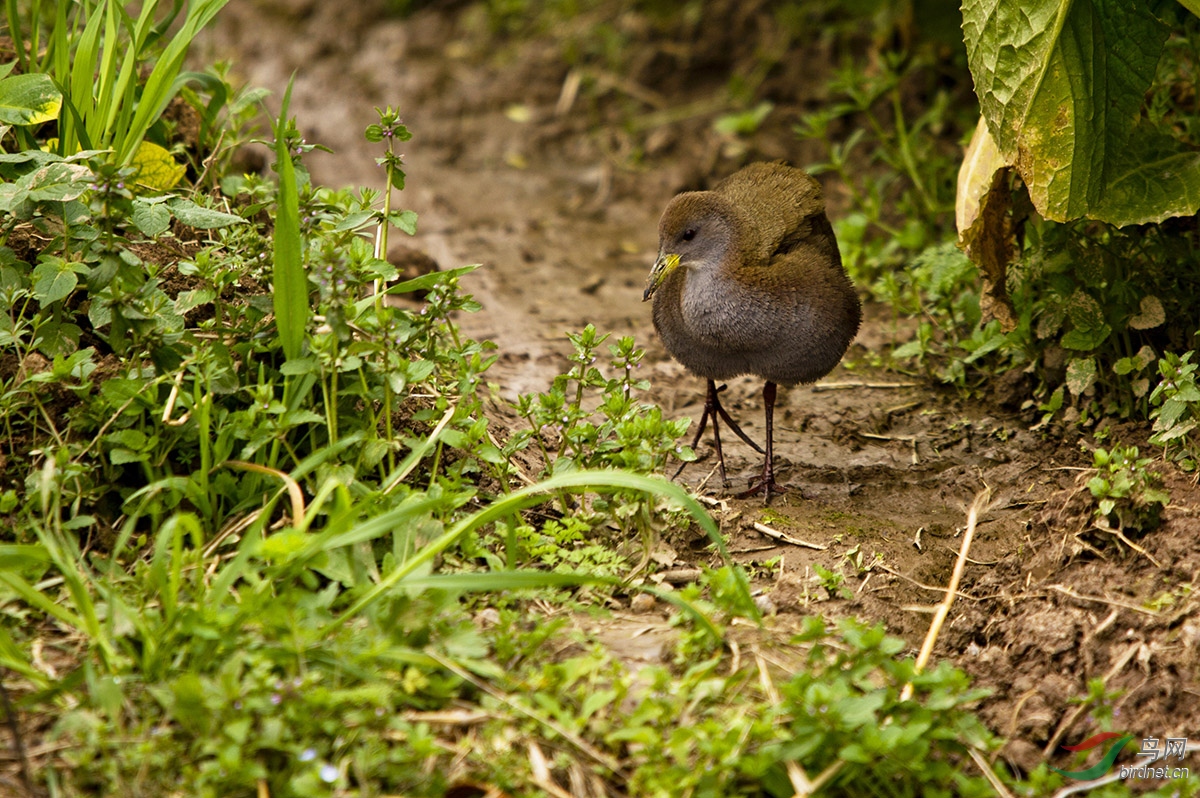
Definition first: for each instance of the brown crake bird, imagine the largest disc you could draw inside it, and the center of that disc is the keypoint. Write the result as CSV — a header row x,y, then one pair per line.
x,y
749,281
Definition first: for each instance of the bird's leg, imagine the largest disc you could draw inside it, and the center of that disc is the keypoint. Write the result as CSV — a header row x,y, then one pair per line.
x,y
710,397
768,475
714,410
766,484
732,424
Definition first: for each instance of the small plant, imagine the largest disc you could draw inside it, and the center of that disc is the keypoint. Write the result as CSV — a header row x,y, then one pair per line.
x,y
839,713
588,420
1176,414
832,582
1127,493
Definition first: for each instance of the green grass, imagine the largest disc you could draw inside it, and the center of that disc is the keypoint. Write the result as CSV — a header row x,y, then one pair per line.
x,y
261,535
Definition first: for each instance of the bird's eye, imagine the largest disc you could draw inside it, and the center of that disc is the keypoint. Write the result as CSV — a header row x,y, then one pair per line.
x,y
689,234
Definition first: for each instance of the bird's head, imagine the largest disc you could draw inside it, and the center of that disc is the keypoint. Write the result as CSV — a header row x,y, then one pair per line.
x,y
695,232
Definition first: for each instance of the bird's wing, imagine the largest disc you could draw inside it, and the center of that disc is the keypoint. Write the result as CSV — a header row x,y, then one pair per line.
x,y
780,203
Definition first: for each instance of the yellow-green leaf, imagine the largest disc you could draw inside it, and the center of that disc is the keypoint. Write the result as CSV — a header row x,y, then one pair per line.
x,y
29,99
156,168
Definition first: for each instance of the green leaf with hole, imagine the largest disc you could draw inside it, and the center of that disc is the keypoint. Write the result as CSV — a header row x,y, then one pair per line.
x,y
1060,84
29,99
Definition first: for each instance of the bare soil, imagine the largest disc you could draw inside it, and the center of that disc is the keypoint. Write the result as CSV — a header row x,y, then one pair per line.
x,y
559,202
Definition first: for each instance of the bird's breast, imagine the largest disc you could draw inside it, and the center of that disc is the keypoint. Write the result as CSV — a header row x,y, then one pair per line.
x,y
721,328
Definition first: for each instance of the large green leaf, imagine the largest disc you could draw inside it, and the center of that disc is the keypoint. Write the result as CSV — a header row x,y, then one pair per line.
x,y
56,182
1152,178
29,100
1061,85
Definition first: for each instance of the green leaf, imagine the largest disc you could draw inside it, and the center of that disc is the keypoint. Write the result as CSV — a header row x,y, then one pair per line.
x,y
53,279
1163,437
1172,410
989,344
56,182
1055,403
428,280
193,298
201,218
353,221
289,280
911,349
151,220
1144,356
405,220
397,179
58,339
1081,374
744,123
1150,179
121,456
15,557
300,365
164,81
29,99
1086,340
1061,84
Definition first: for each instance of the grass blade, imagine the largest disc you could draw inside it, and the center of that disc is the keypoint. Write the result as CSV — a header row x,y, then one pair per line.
x,y
289,280
536,494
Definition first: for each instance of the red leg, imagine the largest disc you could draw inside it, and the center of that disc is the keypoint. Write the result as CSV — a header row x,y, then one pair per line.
x,y
766,483
714,410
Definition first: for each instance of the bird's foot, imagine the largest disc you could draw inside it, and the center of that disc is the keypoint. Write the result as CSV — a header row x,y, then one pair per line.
x,y
760,487
764,485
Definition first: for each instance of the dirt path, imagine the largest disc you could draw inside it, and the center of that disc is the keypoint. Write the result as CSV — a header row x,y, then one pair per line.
x,y
562,216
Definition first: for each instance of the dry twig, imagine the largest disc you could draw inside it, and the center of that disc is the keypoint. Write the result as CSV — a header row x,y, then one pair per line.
x,y
848,386
943,609
785,538
1066,591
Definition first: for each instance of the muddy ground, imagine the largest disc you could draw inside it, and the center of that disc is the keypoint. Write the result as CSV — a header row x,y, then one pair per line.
x,y
557,195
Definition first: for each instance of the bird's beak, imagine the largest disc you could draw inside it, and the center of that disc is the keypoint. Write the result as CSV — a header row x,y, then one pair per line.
x,y
662,267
